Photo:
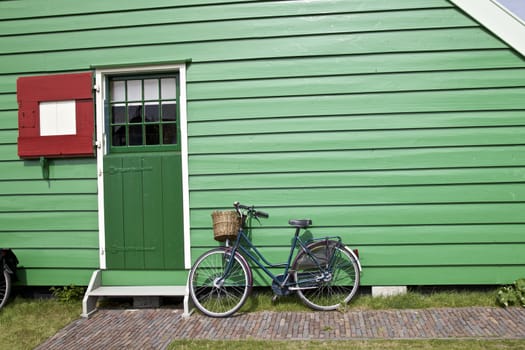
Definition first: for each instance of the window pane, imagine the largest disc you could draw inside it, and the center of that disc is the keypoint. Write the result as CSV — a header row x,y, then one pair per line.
x,y
118,114
169,134
118,136
151,112
169,112
151,89
143,112
134,90
168,88
135,113
135,135
152,134
118,91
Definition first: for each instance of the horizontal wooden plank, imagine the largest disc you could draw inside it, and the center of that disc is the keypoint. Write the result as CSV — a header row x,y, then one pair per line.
x,y
50,239
322,179
441,275
354,140
144,277
393,159
357,122
59,202
314,45
75,186
8,136
443,255
211,12
54,277
278,26
52,221
345,84
62,7
9,152
8,83
400,102
352,64
57,258
384,215
8,102
77,168
8,119
419,255
366,196
424,275
262,235
332,65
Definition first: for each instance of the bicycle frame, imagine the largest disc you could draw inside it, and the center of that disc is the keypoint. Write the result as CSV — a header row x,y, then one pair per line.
x,y
245,252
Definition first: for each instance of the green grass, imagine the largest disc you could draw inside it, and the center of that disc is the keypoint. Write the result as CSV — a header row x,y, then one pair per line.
x,y
415,299
26,323
425,300
351,344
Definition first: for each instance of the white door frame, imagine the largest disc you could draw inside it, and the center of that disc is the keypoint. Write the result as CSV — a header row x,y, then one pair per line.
x,y
102,146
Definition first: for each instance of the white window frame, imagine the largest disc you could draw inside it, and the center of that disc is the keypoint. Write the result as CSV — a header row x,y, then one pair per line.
x,y
101,89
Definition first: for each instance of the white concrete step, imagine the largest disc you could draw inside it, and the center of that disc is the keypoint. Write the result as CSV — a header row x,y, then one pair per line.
x,y
96,290
122,291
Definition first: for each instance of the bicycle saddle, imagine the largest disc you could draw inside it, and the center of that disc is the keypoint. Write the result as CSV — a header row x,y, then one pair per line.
x,y
300,223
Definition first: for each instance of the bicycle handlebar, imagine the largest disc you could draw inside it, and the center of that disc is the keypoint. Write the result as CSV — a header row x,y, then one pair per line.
x,y
251,210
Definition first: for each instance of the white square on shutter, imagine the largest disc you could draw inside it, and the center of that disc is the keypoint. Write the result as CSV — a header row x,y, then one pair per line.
x,y
58,118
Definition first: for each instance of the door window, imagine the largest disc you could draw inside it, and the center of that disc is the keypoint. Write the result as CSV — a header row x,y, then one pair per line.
x,y
143,113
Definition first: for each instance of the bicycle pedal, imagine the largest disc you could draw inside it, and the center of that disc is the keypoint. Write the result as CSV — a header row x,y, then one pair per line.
x,y
274,299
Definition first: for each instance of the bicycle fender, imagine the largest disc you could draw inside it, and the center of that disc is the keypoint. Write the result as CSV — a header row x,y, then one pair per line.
x,y
354,256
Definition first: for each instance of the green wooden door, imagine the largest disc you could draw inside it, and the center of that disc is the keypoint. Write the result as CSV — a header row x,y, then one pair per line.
x,y
142,175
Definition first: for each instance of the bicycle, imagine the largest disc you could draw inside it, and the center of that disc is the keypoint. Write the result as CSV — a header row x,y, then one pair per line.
x,y
8,262
324,272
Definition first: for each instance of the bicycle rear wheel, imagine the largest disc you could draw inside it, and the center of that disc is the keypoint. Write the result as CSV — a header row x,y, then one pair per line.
x,y
219,286
5,287
332,285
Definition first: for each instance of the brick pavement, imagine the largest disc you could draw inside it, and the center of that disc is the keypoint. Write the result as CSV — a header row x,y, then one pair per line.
x,y
156,328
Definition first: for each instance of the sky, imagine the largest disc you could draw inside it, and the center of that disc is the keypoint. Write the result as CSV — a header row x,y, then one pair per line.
x,y
517,7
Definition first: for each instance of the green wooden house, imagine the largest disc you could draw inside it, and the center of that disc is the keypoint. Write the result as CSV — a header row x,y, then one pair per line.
x,y
399,125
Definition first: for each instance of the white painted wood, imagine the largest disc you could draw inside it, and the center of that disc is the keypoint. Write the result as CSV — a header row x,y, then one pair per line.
x,y
120,291
58,118
89,303
96,289
185,170
100,88
498,20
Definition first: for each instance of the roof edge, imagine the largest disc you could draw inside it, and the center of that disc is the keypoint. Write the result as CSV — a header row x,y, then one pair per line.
x,y
498,20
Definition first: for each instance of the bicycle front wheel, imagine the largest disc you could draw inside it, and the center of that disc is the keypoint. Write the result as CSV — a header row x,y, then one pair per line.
x,y
5,287
331,285
219,282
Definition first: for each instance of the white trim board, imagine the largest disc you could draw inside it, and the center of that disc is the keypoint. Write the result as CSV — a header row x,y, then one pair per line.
x,y
100,87
496,19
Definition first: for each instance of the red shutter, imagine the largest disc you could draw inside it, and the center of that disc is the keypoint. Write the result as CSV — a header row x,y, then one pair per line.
x,y
31,91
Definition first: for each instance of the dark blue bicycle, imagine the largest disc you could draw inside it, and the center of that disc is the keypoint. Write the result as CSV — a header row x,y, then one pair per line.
x,y
8,263
324,272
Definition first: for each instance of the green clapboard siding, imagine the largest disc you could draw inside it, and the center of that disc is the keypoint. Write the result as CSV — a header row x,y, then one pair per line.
x,y
397,124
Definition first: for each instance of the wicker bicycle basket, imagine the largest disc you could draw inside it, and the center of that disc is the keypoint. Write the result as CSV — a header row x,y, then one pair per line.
x,y
226,225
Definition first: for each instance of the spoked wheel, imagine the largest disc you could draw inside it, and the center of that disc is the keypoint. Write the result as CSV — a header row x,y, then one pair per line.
x,y
219,286
332,286
5,287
